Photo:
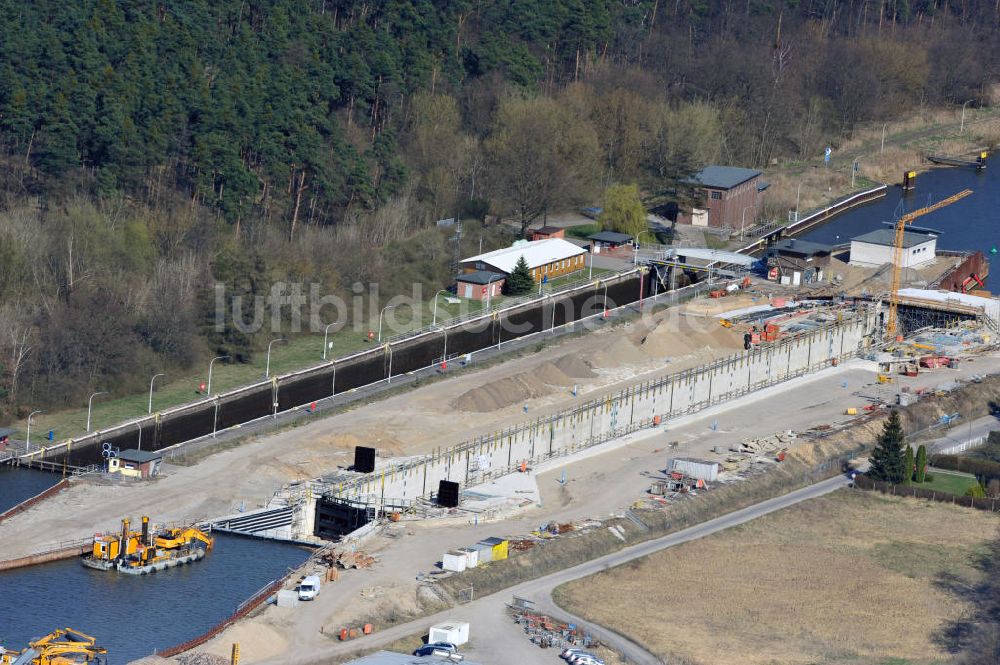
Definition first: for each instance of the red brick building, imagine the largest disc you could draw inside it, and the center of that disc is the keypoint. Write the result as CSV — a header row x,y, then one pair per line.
x,y
729,197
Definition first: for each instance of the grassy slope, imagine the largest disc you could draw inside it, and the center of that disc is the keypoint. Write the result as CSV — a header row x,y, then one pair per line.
x,y
848,578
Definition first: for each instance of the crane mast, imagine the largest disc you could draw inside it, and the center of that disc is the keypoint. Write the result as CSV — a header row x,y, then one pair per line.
x,y
897,256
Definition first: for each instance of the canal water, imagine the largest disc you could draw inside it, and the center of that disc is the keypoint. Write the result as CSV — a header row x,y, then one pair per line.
x,y
133,615
969,225
16,485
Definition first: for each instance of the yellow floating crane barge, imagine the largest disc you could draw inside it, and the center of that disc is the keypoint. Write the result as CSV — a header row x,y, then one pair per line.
x,y
60,647
143,552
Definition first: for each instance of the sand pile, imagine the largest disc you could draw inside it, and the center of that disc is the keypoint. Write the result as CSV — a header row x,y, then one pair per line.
x,y
574,367
505,392
684,336
549,373
621,351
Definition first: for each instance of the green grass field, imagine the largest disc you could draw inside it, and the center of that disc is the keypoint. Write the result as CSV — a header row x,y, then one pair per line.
x,y
952,482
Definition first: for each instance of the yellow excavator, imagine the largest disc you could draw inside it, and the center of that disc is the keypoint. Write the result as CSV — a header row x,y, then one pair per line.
x,y
176,537
64,646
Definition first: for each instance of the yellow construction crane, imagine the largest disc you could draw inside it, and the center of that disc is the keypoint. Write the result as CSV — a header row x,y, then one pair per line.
x,y
897,256
60,647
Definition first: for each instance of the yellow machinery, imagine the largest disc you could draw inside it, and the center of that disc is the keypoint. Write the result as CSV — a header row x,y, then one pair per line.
x,y
174,538
60,647
897,256
725,323
143,551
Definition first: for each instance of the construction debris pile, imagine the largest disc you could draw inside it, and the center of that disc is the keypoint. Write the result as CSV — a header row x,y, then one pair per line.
x,y
546,632
739,459
346,559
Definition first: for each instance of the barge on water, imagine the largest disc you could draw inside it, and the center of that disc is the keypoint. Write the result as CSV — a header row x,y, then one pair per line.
x,y
143,552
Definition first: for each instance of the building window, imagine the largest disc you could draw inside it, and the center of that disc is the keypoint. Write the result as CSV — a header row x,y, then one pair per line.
x,y
480,265
716,195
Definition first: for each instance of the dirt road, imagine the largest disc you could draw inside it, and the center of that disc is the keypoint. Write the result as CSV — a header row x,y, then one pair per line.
x,y
494,647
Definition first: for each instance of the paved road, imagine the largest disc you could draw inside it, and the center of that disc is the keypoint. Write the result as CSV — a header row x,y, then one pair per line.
x,y
489,609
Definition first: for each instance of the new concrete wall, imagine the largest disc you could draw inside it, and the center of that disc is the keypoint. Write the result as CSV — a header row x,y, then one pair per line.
x,y
615,414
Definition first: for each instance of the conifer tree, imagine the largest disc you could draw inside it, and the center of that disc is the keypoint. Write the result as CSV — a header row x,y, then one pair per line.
x,y
887,458
520,280
921,470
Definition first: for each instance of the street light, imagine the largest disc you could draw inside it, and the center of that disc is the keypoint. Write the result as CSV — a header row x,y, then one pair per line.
x,y
798,191
267,367
961,129
150,409
27,443
434,310
90,406
139,425
326,332
444,357
743,217
882,149
854,169
635,253
209,391
380,318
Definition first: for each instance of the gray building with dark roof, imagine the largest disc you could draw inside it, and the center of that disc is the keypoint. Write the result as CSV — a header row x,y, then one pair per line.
x,y
730,196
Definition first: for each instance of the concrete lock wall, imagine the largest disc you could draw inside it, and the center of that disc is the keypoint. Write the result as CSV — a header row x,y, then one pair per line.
x,y
615,414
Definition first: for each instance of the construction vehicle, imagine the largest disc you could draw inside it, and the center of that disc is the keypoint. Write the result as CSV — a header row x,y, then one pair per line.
x,y
60,647
892,322
725,323
145,551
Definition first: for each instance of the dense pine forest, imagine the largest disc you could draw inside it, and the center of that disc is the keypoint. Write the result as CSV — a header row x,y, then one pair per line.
x,y
152,149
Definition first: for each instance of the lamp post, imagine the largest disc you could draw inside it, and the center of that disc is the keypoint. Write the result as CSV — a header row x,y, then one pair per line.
x,y
326,332
90,406
139,425
882,149
210,364
444,356
27,443
854,169
434,307
743,217
961,129
635,254
150,409
267,366
798,192
380,314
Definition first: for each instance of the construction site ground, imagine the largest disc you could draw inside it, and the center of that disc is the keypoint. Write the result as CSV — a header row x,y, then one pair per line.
x,y
598,482
800,585
437,415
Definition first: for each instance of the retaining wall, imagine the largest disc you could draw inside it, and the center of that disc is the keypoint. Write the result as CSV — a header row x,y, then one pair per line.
x,y
28,503
296,389
613,415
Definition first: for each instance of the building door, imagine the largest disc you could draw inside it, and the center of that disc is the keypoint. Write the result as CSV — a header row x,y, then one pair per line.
x,y
699,217
468,290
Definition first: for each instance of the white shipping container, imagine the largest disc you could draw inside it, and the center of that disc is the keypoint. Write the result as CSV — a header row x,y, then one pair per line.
x,y
454,560
456,632
695,468
471,556
485,552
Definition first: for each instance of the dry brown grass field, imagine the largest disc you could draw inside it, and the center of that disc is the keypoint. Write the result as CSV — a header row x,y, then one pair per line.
x,y
847,578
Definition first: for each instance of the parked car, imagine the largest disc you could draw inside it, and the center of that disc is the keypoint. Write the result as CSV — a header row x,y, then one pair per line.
x,y
436,648
571,651
584,658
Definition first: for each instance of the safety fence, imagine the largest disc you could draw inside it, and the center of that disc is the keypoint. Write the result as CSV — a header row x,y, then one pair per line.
x,y
865,483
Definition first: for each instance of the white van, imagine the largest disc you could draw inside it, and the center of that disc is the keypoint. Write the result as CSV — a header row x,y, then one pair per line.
x,y
309,588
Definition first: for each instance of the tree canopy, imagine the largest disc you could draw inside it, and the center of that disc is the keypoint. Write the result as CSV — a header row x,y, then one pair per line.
x,y
623,211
